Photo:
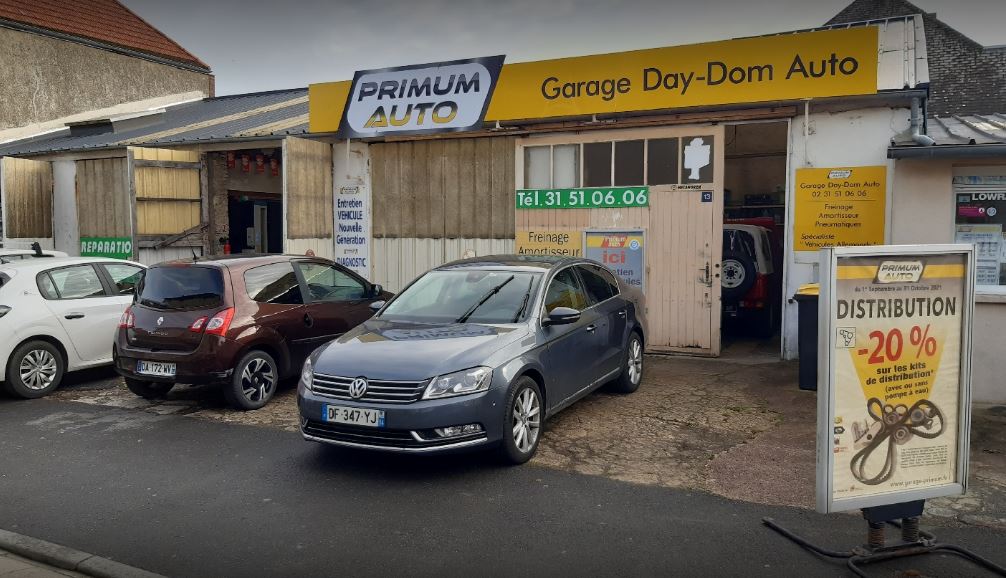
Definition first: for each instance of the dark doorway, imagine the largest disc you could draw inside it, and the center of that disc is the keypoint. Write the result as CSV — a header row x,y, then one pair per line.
x,y
256,222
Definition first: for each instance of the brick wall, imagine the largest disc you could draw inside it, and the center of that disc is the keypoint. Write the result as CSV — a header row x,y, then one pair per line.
x,y
965,77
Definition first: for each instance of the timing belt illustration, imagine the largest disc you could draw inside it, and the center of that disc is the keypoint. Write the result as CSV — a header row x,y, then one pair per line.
x,y
895,424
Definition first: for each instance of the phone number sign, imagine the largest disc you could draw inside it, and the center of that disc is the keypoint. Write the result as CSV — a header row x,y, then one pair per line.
x,y
584,198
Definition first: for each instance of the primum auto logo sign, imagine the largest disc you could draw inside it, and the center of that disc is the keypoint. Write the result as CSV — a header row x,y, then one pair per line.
x,y
439,97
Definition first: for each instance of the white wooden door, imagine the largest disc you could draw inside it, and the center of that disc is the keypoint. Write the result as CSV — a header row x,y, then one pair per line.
x,y
684,253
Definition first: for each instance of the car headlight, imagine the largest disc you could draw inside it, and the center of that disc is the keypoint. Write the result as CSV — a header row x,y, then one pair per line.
x,y
464,382
307,374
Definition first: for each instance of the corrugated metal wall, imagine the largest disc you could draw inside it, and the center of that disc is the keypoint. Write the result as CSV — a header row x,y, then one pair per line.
x,y
27,190
434,200
103,207
167,191
307,189
450,188
150,256
399,261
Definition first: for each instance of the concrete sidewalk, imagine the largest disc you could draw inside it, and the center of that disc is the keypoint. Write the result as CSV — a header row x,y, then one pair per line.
x,y
14,566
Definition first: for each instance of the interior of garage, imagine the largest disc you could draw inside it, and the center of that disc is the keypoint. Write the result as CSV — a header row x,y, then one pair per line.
x,y
254,200
754,219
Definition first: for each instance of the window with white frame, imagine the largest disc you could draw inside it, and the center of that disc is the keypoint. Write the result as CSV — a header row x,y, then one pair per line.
x,y
619,163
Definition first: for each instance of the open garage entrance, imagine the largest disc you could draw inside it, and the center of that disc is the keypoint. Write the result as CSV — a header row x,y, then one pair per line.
x,y
255,200
754,225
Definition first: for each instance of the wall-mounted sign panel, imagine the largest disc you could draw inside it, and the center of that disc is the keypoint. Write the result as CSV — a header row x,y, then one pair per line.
x,y
352,229
895,381
588,198
420,99
548,242
839,207
623,251
111,247
825,63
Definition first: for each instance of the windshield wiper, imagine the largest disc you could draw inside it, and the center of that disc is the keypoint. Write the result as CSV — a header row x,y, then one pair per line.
x,y
523,304
487,296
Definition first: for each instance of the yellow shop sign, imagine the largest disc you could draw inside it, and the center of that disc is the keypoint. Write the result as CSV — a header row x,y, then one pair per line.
x,y
785,67
825,63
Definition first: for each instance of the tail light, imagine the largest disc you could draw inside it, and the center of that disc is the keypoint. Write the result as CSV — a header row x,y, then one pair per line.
x,y
759,290
198,324
219,323
127,320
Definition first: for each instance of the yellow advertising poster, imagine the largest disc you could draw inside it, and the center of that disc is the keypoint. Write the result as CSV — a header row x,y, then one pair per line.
x,y
839,207
898,325
547,242
824,63
767,68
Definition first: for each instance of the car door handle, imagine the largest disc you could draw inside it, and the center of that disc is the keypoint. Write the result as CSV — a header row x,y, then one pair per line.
x,y
74,316
591,328
308,320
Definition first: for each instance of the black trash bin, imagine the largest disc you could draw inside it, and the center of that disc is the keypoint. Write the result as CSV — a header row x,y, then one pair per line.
x,y
806,299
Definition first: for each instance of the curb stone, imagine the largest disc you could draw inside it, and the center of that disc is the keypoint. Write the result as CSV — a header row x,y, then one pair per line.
x,y
68,558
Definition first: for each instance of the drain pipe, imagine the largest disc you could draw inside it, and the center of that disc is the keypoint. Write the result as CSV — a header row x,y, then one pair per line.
x,y
917,136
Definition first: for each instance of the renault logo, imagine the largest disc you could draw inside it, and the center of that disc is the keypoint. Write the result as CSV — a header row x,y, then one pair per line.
x,y
358,388
160,320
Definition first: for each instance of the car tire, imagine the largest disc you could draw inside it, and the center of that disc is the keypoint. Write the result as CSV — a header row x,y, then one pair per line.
x,y
148,389
632,366
34,370
254,381
524,411
737,275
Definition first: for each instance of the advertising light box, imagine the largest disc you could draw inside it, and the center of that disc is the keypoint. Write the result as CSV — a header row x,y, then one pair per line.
x,y
894,374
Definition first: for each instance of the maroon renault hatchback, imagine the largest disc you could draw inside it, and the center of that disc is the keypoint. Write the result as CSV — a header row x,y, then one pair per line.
x,y
243,322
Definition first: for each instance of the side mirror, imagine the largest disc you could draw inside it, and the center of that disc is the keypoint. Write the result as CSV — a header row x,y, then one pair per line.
x,y
376,290
376,306
562,316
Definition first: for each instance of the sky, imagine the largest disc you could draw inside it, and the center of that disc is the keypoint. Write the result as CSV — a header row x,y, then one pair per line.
x,y
254,45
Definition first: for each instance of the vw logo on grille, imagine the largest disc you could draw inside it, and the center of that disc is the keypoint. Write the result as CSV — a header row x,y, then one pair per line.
x,y
358,388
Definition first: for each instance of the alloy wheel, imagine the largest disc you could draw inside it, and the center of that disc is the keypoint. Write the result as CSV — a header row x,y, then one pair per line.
x,y
526,420
635,361
38,369
257,380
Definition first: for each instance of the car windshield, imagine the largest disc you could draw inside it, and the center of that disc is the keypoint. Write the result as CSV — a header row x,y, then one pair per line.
x,y
181,288
456,296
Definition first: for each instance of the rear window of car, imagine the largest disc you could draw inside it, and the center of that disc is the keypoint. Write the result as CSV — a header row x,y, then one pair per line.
x,y
181,288
737,240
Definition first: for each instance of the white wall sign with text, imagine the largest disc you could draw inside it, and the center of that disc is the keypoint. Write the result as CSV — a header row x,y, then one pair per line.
x,y
352,229
894,392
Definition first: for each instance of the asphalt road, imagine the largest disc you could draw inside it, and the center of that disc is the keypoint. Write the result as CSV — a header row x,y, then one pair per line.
x,y
187,497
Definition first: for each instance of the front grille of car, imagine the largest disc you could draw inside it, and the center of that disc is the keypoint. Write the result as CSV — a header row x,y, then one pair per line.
x,y
380,391
379,437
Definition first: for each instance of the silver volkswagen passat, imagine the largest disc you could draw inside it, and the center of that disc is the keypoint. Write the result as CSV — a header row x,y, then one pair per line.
x,y
478,352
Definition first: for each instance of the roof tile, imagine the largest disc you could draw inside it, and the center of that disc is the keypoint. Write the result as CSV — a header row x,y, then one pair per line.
x,y
107,21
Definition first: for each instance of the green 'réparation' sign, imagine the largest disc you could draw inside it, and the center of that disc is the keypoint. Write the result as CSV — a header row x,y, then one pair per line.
x,y
113,247
587,198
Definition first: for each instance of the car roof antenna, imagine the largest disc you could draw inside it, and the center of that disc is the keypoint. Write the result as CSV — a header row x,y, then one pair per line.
x,y
37,248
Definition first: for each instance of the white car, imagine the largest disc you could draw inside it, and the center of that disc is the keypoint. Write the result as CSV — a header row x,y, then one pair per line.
x,y
59,315
14,255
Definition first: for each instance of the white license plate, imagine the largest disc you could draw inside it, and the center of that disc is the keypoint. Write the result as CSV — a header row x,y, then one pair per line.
x,y
352,415
157,368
